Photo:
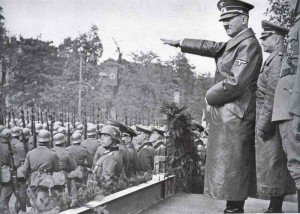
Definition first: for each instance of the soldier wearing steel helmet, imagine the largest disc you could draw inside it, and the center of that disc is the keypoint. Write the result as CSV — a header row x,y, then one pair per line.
x,y
16,133
110,165
40,169
82,158
91,143
122,146
19,154
66,161
38,127
6,184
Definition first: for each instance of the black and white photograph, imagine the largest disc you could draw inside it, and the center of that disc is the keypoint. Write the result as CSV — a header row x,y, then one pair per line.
x,y
149,107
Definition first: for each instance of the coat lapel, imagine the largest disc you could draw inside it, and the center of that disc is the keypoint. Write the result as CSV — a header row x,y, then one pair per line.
x,y
270,57
236,40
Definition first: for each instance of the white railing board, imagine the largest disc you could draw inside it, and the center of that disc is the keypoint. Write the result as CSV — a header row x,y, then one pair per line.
x,y
136,198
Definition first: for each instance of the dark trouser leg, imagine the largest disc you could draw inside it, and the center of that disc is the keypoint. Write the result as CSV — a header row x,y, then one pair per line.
x,y
6,192
22,196
291,148
298,194
275,204
234,207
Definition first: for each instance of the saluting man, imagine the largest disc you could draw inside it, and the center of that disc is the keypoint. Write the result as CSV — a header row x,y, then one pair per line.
x,y
273,177
230,164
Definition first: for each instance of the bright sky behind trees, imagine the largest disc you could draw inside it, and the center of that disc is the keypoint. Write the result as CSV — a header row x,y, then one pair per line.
x,y
137,25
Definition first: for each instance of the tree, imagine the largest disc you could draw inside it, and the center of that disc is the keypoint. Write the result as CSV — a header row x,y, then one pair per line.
x,y
88,44
2,47
279,13
31,62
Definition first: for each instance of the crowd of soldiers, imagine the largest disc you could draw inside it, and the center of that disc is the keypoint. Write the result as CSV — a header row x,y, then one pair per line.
x,y
42,160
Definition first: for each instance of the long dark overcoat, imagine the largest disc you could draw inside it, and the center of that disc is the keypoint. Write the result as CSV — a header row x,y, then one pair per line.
x,y
273,177
230,164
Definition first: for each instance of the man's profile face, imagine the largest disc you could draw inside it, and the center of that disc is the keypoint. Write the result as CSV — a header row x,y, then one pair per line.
x,y
267,43
233,26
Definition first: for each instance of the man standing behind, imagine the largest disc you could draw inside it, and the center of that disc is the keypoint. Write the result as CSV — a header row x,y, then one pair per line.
x,y
286,104
230,164
273,177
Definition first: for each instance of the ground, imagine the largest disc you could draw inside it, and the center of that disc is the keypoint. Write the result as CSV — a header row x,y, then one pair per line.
x,y
182,203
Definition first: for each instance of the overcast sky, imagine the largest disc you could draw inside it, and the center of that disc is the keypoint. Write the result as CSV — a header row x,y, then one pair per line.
x,y
137,25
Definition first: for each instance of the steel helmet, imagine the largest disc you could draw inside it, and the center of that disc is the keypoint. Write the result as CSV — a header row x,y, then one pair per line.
x,y
80,127
44,125
62,130
15,131
43,136
77,123
91,130
76,138
59,123
26,133
6,135
112,131
59,138
56,127
38,127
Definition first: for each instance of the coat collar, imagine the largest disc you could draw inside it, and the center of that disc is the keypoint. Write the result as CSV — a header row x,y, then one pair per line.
x,y
239,38
273,54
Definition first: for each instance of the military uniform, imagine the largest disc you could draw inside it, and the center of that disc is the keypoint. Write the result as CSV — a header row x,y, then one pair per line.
x,y
66,161
91,144
134,160
100,151
146,157
82,158
160,149
231,175
41,170
19,159
6,188
285,104
273,177
110,165
126,157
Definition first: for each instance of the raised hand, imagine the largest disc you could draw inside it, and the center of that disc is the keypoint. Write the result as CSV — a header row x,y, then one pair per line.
x,y
174,43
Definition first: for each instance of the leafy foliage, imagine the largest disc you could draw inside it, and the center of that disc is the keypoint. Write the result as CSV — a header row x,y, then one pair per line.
x,y
279,13
95,190
183,159
87,44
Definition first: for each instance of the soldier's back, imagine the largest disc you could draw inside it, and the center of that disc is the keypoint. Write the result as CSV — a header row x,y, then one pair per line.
x,y
80,154
146,157
66,161
125,155
42,159
91,145
134,160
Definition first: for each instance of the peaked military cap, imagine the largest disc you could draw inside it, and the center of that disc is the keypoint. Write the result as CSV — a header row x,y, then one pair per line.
x,y
143,129
232,8
271,28
122,127
158,130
